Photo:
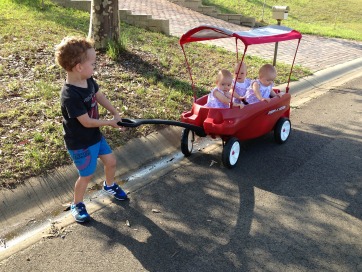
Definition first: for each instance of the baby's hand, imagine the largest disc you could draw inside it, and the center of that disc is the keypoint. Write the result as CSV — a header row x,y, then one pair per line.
x,y
237,105
265,99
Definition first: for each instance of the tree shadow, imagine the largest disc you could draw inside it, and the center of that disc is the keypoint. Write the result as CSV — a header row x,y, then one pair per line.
x,y
185,244
136,64
296,228
156,252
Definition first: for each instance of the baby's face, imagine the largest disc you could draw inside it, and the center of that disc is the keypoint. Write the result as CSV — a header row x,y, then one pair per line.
x,y
242,74
224,84
268,78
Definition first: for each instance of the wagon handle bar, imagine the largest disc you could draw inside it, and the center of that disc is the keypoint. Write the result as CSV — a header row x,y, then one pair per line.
x,y
137,122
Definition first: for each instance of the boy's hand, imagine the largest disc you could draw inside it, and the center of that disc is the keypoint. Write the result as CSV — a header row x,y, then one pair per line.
x,y
118,119
114,123
265,99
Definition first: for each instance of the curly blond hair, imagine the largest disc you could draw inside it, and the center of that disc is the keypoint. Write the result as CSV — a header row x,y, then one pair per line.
x,y
71,51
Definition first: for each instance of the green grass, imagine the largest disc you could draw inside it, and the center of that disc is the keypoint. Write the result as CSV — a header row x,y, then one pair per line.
x,y
144,76
333,18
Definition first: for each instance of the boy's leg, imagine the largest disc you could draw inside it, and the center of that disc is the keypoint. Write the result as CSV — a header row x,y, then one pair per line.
x,y
86,161
78,208
80,188
109,186
109,162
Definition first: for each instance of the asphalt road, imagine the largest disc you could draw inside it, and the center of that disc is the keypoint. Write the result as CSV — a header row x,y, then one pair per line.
x,y
291,207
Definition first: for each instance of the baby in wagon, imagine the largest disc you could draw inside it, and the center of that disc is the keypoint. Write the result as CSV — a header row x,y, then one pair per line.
x,y
220,96
241,83
261,89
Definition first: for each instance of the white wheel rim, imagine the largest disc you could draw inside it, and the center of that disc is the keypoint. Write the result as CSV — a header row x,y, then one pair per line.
x,y
190,142
234,153
285,130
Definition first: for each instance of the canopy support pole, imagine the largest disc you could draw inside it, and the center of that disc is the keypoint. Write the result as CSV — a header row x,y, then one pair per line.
x,y
237,72
291,68
190,74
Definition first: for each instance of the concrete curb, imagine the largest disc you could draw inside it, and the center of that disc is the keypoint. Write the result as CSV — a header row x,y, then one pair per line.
x,y
321,77
37,197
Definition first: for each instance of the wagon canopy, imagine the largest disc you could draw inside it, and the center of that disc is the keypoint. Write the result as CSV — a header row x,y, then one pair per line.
x,y
267,34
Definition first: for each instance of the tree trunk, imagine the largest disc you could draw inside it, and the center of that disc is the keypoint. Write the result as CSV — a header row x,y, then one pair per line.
x,y
104,22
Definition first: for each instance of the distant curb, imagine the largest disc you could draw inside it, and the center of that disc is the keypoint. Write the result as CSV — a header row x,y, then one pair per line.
x,y
324,76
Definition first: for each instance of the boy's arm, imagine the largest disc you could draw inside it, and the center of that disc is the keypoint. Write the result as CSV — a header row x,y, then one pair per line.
x,y
88,122
104,102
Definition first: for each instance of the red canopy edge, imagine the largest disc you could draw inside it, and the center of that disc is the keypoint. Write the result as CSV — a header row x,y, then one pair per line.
x,y
267,34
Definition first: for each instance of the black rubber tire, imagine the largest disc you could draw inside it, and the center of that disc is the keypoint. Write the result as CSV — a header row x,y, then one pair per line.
x,y
282,130
187,142
231,153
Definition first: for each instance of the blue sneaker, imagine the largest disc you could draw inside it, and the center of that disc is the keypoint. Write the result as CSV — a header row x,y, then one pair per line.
x,y
115,190
79,212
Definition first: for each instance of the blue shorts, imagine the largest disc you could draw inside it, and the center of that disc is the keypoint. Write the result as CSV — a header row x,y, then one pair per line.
x,y
86,159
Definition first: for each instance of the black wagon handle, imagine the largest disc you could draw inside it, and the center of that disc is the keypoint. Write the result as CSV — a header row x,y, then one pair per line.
x,y
126,122
129,123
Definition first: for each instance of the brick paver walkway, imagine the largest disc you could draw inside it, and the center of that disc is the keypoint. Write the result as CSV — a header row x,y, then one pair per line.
x,y
315,53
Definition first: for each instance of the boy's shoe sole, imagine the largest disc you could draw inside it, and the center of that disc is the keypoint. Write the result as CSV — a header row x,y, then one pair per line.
x,y
82,220
116,197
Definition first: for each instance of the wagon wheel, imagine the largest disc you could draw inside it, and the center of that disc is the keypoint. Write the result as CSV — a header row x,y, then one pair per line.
x,y
282,130
231,152
187,141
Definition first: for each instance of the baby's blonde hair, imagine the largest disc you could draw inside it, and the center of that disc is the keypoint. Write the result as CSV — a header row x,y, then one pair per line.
x,y
223,74
267,68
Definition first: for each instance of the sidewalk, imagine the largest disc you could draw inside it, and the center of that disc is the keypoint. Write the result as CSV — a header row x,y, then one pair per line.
x,y
29,203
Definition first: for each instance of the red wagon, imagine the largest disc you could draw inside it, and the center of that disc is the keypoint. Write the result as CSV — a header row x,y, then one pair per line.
x,y
233,124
